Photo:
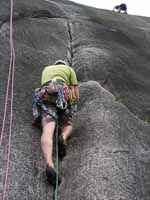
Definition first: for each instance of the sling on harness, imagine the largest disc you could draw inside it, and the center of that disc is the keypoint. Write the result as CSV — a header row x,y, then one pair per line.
x,y
38,105
61,102
56,92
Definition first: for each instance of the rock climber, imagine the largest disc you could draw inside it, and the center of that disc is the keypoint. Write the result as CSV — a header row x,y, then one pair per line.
x,y
122,8
55,101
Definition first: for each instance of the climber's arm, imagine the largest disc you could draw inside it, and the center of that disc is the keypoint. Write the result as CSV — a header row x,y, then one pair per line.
x,y
74,92
74,85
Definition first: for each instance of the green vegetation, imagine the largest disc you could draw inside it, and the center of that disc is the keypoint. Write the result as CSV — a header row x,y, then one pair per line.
x,y
122,99
147,119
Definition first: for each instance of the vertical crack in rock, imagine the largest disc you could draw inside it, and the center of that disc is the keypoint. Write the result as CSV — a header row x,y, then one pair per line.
x,y
69,48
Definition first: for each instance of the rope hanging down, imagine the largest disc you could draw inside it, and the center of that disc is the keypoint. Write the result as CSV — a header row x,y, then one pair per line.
x,y
57,163
10,86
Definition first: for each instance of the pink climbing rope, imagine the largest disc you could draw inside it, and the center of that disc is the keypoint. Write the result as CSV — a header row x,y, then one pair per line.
x,y
10,79
8,82
10,131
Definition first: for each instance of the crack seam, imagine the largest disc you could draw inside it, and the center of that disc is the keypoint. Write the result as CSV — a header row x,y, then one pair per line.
x,y
69,50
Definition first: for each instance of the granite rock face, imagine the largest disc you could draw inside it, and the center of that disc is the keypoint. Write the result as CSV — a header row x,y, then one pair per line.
x,y
109,153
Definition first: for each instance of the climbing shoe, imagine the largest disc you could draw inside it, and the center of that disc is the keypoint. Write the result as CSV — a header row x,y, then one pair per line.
x,y
52,176
61,147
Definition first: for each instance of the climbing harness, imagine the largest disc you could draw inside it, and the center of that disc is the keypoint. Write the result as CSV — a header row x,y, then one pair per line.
x,y
10,86
53,91
39,105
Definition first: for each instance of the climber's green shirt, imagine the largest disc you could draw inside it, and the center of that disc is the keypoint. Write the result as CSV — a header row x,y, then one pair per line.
x,y
63,72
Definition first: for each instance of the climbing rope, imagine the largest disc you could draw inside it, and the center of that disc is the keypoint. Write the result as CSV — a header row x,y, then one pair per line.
x,y
57,163
9,76
9,81
10,87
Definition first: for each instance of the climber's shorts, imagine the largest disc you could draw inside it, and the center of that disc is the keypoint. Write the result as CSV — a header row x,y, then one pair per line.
x,y
64,116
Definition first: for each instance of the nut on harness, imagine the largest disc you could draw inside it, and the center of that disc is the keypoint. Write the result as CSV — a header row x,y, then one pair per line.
x,y
57,92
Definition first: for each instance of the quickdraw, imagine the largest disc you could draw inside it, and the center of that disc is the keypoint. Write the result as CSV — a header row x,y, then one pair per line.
x,y
61,102
65,98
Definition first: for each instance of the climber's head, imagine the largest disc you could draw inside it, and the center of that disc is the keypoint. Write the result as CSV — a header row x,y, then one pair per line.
x,y
60,62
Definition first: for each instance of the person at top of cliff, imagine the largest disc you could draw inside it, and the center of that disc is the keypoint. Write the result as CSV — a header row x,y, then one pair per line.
x,y
55,101
122,8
